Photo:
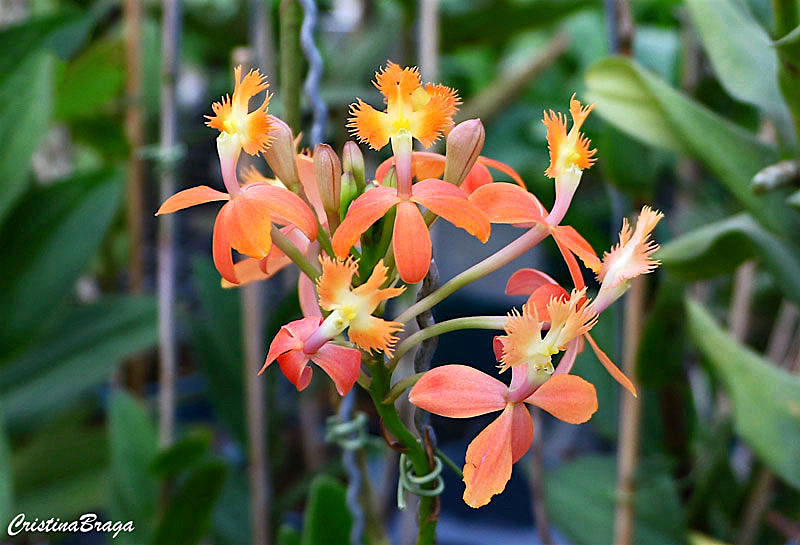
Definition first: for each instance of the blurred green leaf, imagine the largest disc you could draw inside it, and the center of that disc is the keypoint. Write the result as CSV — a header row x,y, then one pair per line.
x,y
6,476
91,81
640,104
81,351
288,536
765,398
22,125
328,519
47,243
660,358
582,496
134,445
76,494
499,20
789,45
794,199
744,60
185,453
188,516
719,247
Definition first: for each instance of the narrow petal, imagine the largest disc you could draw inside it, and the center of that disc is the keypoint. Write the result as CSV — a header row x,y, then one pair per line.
x,y
449,202
567,361
525,281
282,343
521,432
542,296
305,170
489,460
247,271
612,369
458,391
191,197
578,245
505,169
221,246
567,397
285,205
363,212
294,365
342,364
411,243
478,176
308,296
572,265
507,203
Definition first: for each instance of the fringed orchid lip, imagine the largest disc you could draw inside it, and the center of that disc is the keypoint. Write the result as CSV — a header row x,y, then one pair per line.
x,y
459,391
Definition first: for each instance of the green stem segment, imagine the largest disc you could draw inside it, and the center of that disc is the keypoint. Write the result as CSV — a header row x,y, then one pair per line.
x,y
293,252
379,389
471,322
291,62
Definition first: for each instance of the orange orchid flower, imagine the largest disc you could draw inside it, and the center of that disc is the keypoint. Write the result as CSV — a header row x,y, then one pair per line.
x,y
290,348
459,391
244,223
353,308
427,164
411,240
424,112
543,291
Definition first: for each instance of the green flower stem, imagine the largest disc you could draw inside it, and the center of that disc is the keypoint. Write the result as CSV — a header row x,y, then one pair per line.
x,y
324,240
379,389
456,324
504,256
293,252
401,386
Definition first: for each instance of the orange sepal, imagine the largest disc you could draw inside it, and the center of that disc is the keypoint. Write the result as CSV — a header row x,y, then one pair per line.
x,y
458,391
489,459
541,297
446,200
577,245
572,264
504,168
247,271
525,281
521,432
411,242
283,205
191,197
507,203
567,397
363,212
612,369
249,225
221,246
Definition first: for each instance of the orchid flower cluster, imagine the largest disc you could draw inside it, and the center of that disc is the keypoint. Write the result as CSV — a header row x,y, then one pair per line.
x,y
360,242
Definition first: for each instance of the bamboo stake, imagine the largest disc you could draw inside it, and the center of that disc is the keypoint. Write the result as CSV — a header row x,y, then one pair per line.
x,y
170,32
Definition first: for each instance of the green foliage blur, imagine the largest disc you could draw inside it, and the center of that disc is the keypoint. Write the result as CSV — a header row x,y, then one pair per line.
x,y
709,98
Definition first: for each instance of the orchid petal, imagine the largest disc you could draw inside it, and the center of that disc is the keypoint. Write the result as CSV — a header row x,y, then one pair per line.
x,y
572,264
612,369
282,343
363,212
458,391
221,246
191,197
542,296
308,296
342,364
578,245
294,365
507,203
525,281
505,169
478,176
521,432
567,397
247,271
284,205
305,170
489,459
411,243
448,201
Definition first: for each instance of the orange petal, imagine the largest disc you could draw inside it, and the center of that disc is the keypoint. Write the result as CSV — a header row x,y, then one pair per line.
x,y
489,460
247,271
612,369
521,432
567,397
572,264
458,391
411,242
221,245
525,281
369,125
424,165
249,225
542,296
308,296
191,197
370,333
305,170
342,364
435,118
478,176
448,201
578,246
363,212
505,169
395,82
294,366
284,205
507,203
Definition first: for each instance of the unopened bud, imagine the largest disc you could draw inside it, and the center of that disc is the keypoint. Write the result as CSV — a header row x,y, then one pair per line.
x,y
282,153
353,162
390,179
349,193
328,172
464,145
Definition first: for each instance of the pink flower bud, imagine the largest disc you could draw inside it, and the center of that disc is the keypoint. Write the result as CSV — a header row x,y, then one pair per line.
x,y
328,172
353,162
464,145
281,154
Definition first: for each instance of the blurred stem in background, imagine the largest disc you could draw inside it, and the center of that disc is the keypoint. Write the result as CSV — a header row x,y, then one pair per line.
x,y
170,41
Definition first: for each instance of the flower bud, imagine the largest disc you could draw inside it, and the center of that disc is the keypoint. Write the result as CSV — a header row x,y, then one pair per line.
x,y
328,172
390,178
349,193
464,145
353,162
282,153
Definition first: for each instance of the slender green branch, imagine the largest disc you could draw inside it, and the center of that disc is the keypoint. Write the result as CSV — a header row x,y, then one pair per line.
x,y
401,386
449,463
293,252
471,322
324,240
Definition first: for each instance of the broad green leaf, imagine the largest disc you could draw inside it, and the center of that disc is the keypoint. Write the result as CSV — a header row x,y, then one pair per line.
x,y
581,499
497,21
22,125
188,516
91,81
717,248
6,475
744,60
186,452
75,495
640,104
328,520
47,243
80,351
765,398
134,445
